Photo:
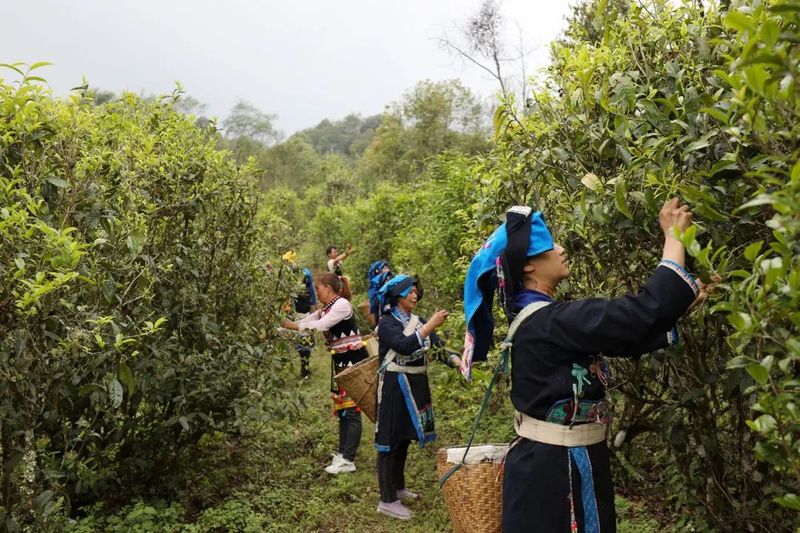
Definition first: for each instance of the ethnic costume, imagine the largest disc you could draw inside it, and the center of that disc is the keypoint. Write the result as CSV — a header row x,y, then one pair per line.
x,y
378,273
303,301
557,475
338,322
405,412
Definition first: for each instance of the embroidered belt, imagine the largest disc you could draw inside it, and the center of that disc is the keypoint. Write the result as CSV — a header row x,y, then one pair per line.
x,y
406,359
394,367
346,344
557,434
413,324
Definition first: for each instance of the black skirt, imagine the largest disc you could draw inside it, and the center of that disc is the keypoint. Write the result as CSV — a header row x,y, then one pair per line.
x,y
537,495
404,410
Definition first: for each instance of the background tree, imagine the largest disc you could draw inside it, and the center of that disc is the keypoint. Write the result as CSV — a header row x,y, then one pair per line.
x,y
248,130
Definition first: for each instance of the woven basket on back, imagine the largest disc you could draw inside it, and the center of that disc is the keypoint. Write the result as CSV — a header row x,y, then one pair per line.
x,y
360,381
474,493
370,343
363,308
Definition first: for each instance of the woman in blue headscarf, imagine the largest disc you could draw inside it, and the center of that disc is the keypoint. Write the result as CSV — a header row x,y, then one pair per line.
x,y
404,396
557,474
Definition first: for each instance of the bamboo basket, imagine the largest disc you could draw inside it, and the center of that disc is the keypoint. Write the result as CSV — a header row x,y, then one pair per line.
x,y
371,344
360,381
474,493
363,308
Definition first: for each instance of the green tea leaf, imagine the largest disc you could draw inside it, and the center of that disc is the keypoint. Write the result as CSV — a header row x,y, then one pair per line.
x,y
752,250
621,198
758,373
58,182
115,393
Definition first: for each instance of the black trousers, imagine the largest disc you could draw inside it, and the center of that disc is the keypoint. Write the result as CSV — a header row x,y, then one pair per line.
x,y
349,432
391,471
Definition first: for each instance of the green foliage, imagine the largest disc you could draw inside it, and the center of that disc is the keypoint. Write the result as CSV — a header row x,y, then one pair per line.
x,y
664,100
272,481
635,518
139,267
138,517
642,103
764,295
431,118
247,122
292,164
130,249
348,136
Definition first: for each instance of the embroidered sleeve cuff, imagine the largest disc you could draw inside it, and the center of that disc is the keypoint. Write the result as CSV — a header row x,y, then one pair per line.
x,y
672,337
419,338
685,276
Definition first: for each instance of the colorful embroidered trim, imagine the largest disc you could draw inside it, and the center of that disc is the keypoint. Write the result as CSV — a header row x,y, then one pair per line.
x,y
591,517
419,419
679,270
573,521
404,319
401,359
672,336
342,401
564,412
466,355
401,315
345,344
326,309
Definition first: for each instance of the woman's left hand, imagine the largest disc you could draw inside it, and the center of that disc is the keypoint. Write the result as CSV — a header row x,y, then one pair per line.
x,y
288,324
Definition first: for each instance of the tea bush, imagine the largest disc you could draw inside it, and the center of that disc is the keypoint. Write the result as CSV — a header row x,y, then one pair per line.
x,y
645,101
132,253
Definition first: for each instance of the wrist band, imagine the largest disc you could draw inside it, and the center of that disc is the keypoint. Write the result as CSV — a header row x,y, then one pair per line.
x,y
679,270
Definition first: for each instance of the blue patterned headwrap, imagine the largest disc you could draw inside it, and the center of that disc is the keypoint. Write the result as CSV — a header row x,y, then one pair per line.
x,y
376,268
397,287
482,279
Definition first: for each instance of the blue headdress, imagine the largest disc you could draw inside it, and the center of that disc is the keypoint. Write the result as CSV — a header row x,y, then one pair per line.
x,y
376,278
308,278
498,265
376,268
397,287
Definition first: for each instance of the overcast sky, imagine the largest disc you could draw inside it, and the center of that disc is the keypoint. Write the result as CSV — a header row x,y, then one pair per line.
x,y
303,60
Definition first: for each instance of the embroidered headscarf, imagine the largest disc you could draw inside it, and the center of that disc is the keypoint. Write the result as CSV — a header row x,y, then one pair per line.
x,y
398,287
376,268
498,265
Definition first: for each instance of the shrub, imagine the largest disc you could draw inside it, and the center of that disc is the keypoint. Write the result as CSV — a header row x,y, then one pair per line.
x,y
130,253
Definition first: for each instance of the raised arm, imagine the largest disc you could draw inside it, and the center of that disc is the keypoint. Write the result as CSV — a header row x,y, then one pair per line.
x,y
344,254
633,324
626,326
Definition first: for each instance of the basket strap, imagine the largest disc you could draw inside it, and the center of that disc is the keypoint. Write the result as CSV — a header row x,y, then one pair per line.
x,y
501,368
409,329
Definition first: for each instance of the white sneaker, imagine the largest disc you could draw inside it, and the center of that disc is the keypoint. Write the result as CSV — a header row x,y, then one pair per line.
x,y
340,465
337,458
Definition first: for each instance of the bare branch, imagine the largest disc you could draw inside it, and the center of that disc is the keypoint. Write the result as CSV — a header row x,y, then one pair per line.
x,y
449,44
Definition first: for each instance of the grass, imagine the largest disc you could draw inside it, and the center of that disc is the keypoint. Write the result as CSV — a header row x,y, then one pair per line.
x,y
274,482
